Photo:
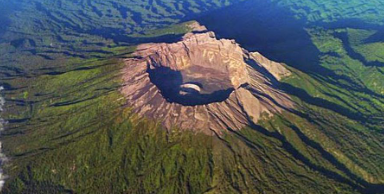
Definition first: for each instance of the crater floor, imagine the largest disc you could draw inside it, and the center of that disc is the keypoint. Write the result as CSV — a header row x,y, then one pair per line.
x,y
192,86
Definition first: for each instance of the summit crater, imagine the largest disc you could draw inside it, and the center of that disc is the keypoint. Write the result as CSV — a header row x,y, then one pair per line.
x,y
202,83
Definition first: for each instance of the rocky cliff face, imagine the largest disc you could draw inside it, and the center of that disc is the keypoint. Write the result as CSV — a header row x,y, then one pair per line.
x,y
203,84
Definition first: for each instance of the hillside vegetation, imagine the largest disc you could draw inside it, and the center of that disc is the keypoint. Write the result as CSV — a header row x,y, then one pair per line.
x,y
68,130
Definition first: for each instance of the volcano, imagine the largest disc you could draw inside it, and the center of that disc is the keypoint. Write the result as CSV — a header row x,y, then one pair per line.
x,y
202,83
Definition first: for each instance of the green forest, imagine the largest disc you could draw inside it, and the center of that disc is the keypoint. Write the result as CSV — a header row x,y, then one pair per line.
x,y
68,130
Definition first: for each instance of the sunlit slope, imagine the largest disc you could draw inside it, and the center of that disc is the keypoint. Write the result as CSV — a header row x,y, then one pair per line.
x,y
336,11
78,137
69,131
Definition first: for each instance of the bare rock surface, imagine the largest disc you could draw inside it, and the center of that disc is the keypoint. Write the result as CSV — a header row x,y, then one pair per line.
x,y
203,84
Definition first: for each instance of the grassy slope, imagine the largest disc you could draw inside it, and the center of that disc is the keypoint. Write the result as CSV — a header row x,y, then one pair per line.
x,y
79,138
86,142
69,132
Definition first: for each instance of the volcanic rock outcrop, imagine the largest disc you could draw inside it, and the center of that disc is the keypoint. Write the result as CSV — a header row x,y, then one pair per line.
x,y
203,84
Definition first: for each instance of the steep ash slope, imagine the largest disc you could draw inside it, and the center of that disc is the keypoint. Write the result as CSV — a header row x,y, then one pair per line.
x,y
203,84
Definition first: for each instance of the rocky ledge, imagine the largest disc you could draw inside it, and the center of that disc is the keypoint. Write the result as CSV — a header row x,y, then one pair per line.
x,y
203,84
